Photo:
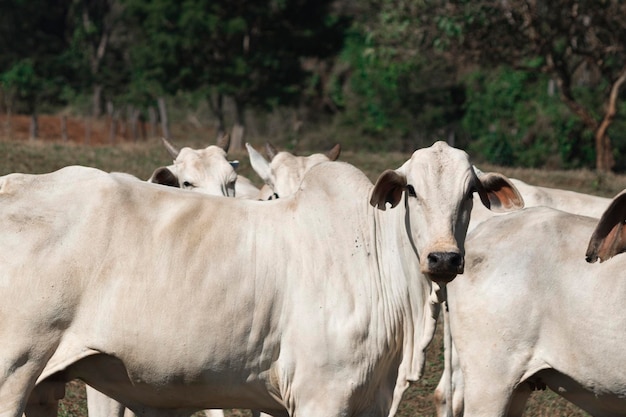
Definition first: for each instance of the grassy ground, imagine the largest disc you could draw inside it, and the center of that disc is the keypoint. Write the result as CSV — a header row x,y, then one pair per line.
x,y
140,160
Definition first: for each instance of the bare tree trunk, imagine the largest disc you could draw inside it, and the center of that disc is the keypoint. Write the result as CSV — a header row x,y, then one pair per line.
x,y
134,123
122,122
165,126
153,122
217,108
238,132
64,128
88,130
604,152
97,101
34,126
112,115
8,126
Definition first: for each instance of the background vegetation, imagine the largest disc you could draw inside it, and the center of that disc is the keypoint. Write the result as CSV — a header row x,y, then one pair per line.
x,y
520,83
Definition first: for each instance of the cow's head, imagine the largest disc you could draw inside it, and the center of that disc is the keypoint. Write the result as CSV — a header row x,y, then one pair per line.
x,y
284,171
204,170
437,185
609,237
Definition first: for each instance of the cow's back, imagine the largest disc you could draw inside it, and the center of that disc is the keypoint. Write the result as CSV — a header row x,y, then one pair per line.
x,y
126,255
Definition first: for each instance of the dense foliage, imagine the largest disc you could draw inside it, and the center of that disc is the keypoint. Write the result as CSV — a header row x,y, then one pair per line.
x,y
518,83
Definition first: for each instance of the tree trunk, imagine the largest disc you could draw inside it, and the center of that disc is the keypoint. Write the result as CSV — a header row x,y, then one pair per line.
x,y
64,128
152,118
165,126
604,151
8,127
217,108
97,101
122,123
88,130
134,123
34,126
238,133
113,115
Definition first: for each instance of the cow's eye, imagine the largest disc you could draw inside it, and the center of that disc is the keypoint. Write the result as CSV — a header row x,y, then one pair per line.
x,y
411,191
187,184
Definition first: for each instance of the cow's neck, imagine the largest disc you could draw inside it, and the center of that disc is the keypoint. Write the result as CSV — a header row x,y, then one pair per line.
x,y
399,268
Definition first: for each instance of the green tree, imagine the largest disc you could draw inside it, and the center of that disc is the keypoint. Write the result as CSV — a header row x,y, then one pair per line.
x,y
100,39
577,42
34,58
249,51
396,85
515,120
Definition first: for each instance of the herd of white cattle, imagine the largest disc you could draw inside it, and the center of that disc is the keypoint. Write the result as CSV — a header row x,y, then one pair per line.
x,y
316,295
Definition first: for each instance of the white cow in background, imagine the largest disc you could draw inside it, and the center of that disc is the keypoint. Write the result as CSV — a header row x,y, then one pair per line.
x,y
329,316
530,312
449,391
536,196
283,173
205,170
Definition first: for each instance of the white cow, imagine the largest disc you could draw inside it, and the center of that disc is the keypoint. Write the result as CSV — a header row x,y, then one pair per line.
x,y
609,237
449,391
329,315
205,170
200,164
536,196
529,311
284,171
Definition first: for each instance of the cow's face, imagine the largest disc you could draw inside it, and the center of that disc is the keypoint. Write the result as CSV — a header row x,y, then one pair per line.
x,y
206,170
436,187
284,172
288,170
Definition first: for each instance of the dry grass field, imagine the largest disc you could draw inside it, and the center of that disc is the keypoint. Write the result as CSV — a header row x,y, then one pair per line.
x,y
19,154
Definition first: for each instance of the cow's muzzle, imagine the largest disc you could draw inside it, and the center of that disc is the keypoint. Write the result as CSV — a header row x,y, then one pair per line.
x,y
444,266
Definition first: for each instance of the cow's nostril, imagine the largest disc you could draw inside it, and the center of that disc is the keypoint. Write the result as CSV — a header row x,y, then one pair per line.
x,y
434,258
444,261
456,259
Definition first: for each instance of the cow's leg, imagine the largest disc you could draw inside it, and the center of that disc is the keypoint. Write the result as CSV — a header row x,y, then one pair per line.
x,y
518,400
214,413
448,396
486,396
44,399
99,405
18,373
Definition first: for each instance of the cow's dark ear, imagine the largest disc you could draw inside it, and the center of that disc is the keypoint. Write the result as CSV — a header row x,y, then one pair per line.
x,y
609,237
498,193
388,189
164,176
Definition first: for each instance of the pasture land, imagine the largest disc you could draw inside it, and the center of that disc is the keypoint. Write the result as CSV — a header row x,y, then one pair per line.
x,y
140,159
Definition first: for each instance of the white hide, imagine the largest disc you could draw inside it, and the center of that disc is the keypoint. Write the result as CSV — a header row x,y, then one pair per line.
x,y
530,312
449,392
329,316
